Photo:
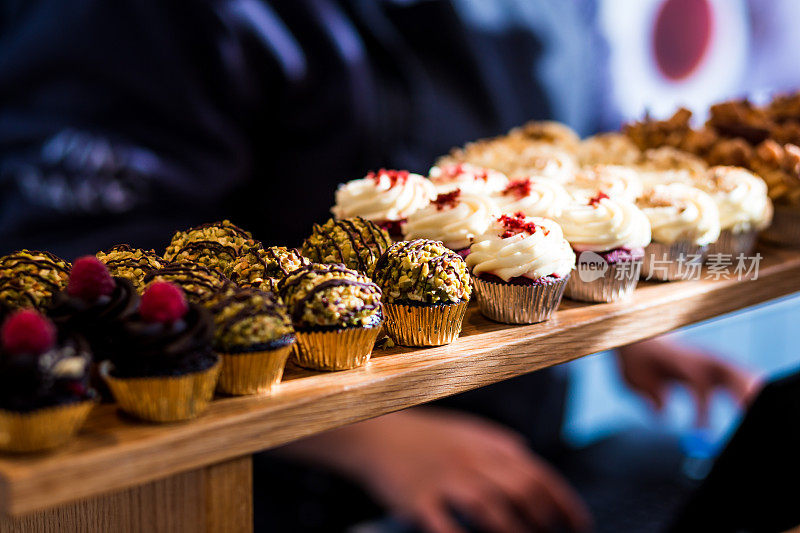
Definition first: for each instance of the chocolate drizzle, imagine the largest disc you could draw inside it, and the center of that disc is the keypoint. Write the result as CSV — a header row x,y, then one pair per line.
x,y
395,252
252,303
375,243
13,280
186,274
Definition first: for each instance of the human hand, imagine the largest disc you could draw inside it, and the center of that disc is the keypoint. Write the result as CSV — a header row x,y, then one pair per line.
x,y
650,367
425,463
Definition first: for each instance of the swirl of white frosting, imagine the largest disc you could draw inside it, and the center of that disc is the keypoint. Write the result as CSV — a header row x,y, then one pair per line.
x,y
549,161
741,197
604,224
534,197
544,252
384,195
468,178
614,180
454,222
679,212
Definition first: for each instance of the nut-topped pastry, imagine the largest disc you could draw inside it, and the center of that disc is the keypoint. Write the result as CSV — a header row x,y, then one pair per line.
x,y
744,208
387,197
337,314
611,148
684,220
355,242
94,305
548,131
225,233
164,368
130,263
426,289
263,267
210,254
201,285
520,267
254,337
468,178
534,197
44,383
453,218
609,236
29,278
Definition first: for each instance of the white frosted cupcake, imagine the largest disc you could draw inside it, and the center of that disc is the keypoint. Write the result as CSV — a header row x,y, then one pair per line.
x,y
520,267
454,218
532,196
684,220
386,197
468,178
744,208
614,180
609,236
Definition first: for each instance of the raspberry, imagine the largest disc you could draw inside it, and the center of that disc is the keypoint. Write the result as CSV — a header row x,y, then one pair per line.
x,y
89,279
27,332
163,302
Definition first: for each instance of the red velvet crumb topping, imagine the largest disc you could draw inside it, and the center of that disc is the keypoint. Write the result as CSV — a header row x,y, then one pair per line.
x,y
516,224
447,199
451,172
394,176
599,196
520,188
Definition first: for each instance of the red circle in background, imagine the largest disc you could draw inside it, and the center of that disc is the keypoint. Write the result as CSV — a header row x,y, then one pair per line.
x,y
681,36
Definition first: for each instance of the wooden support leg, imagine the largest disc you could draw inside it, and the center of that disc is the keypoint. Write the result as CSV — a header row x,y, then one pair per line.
x,y
212,499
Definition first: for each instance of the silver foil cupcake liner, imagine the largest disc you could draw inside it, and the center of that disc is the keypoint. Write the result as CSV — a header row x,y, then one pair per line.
x,y
681,260
734,243
614,282
785,227
519,304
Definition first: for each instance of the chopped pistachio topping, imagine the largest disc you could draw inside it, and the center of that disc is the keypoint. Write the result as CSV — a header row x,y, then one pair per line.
x,y
422,271
201,285
132,264
246,318
210,254
331,295
355,242
262,268
225,233
29,278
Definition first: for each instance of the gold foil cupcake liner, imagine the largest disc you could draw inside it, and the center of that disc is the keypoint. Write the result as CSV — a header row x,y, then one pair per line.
x,y
252,372
164,398
615,283
672,262
424,325
735,244
785,227
42,429
519,304
340,349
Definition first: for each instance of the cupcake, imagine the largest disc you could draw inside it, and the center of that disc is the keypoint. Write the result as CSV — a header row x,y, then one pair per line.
x,y
254,337
744,208
94,305
262,268
44,384
616,181
610,148
132,264
549,132
453,218
684,221
355,242
224,233
386,197
468,178
200,285
30,278
608,236
426,289
520,268
336,313
534,197
164,369
213,255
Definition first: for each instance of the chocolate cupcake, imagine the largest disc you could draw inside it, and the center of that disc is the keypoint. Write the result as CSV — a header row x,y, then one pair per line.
x,y
132,264
426,288
164,368
262,268
201,285
354,242
30,278
44,383
224,233
336,314
94,305
254,337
